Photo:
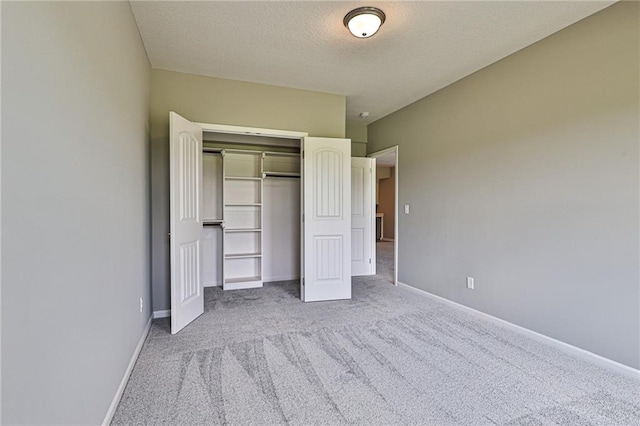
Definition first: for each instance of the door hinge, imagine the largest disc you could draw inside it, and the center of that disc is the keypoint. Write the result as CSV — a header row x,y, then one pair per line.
x,y
369,261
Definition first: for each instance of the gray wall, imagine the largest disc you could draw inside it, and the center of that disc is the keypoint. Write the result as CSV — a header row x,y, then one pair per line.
x,y
75,207
524,176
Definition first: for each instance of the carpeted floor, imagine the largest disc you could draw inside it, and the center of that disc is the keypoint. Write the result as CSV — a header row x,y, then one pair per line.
x,y
384,260
388,356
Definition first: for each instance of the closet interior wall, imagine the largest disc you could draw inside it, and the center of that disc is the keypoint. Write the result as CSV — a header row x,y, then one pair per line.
x,y
251,208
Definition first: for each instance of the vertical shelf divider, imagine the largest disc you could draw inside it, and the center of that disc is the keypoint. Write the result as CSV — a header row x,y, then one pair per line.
x,y
242,231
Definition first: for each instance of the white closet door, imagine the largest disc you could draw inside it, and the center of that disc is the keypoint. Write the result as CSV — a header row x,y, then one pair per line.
x,y
363,238
187,299
327,219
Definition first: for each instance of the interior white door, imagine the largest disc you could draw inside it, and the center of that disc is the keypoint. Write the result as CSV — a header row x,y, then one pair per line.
x,y
363,237
326,210
185,145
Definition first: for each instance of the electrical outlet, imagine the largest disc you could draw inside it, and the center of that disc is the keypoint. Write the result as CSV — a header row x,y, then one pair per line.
x,y
470,283
141,304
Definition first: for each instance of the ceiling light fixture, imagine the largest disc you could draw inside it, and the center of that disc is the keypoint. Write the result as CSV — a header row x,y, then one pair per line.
x,y
364,22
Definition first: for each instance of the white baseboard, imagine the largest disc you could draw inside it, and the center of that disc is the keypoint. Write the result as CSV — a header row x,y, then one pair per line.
x,y
213,284
162,314
123,383
388,240
566,347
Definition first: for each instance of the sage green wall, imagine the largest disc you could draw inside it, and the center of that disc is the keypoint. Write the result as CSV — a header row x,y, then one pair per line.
x,y
220,101
524,176
357,132
75,207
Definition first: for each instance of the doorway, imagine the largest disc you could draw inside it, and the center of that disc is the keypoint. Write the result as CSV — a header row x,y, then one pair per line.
x,y
387,213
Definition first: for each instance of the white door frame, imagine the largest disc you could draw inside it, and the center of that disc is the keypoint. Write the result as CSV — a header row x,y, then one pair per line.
x,y
267,133
255,131
396,237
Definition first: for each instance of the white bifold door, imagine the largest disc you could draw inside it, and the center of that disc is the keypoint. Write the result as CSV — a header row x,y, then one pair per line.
x,y
185,169
326,205
363,240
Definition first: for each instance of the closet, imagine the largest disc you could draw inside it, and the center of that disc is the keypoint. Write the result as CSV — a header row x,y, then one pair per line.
x,y
251,223
250,206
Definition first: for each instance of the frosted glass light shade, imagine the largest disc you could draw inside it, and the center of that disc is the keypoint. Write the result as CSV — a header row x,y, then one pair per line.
x,y
364,21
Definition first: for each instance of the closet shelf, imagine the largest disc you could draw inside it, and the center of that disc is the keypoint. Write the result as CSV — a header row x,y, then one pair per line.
x,y
232,230
241,178
281,174
243,204
242,280
241,255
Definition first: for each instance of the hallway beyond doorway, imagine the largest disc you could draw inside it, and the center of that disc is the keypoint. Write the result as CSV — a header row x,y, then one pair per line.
x,y
384,260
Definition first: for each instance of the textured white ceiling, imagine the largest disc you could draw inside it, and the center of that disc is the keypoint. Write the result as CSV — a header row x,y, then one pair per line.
x,y
422,47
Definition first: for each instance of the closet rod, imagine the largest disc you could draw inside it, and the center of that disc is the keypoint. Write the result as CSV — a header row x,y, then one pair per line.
x,y
281,175
283,154
212,150
242,151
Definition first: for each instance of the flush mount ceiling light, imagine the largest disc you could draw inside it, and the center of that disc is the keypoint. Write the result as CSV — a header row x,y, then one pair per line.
x,y
364,22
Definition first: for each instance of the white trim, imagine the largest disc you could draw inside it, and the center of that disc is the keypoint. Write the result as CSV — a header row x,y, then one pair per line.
x,y
1,245
123,383
211,284
583,354
388,240
255,131
396,237
383,151
373,260
162,314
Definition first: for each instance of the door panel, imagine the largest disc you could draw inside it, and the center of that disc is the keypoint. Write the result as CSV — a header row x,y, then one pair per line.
x,y
187,299
362,217
326,219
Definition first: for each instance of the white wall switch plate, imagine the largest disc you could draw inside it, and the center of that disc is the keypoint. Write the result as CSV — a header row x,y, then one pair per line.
x,y
141,304
470,283
406,209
